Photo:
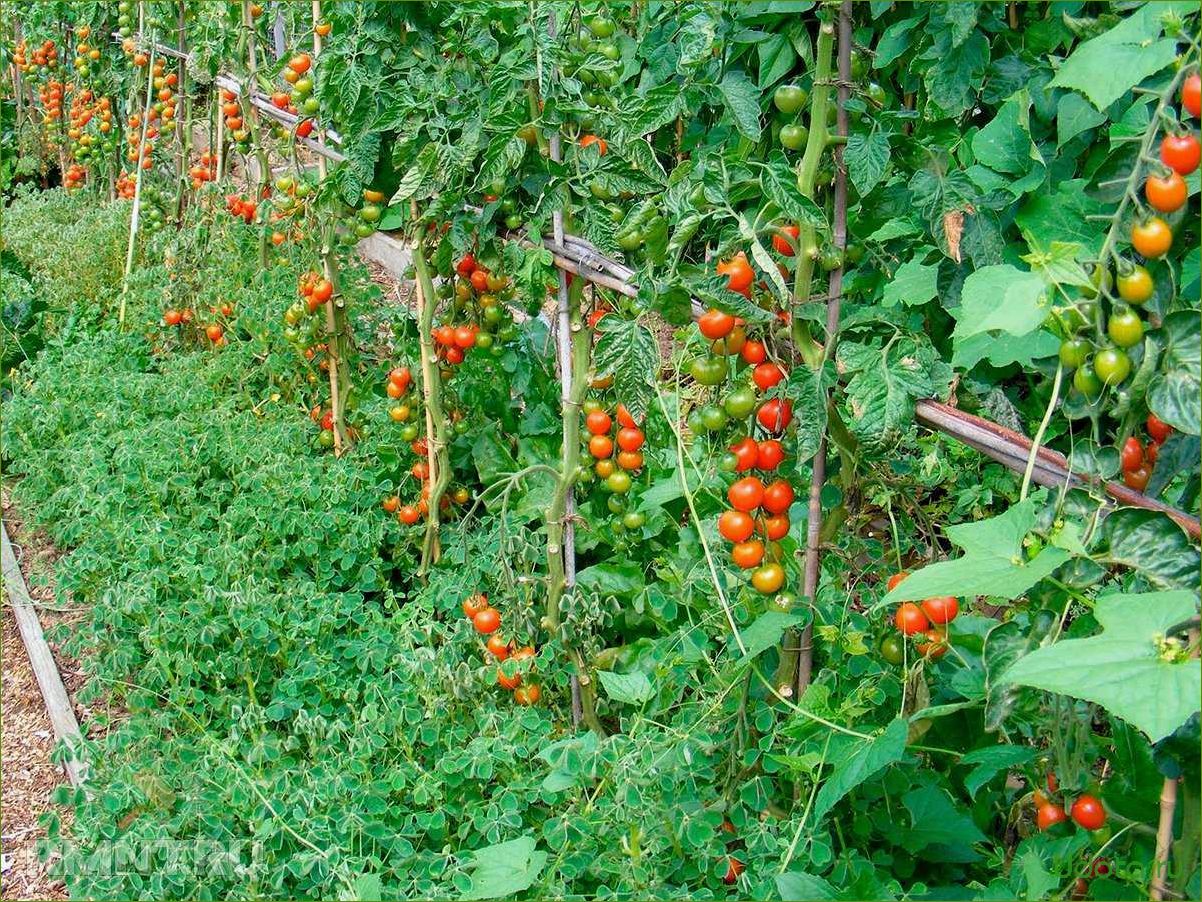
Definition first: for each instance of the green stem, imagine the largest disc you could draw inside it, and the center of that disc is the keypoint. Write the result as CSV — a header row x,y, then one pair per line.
x,y
438,440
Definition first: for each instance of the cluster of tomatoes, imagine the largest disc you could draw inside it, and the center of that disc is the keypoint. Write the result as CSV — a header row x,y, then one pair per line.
x,y
235,124
174,316
40,61
74,177
614,456
1138,460
514,677
126,186
927,622
301,101
85,54
204,170
241,206
1151,237
324,418
153,208
87,108
1086,811
51,95
300,326
480,317
289,202
125,20
756,507
362,222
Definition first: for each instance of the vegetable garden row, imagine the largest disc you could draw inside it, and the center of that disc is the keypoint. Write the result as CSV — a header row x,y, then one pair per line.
x,y
673,530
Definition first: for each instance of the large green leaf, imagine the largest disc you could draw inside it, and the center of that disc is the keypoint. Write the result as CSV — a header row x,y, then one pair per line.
x,y
627,350
935,820
742,100
993,563
1124,669
1004,144
1174,391
800,885
504,869
866,157
992,760
629,688
767,630
866,758
884,379
914,282
1153,545
1001,299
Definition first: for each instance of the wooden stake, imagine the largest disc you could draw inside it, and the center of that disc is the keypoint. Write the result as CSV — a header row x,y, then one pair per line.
x,y
135,216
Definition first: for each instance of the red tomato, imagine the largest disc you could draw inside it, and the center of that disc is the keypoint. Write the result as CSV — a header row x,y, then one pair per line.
x,y
625,419
1157,428
738,272
746,494
746,454
1166,194
770,454
474,604
466,266
715,324
1191,95
1181,152
598,422
487,621
775,527
1152,452
935,647
734,868
1049,815
777,497
465,337
775,415
941,609
895,580
1138,478
767,375
910,619
747,554
754,352
589,140
735,526
479,279
498,647
630,438
601,446
1088,812
784,240
390,504
1132,455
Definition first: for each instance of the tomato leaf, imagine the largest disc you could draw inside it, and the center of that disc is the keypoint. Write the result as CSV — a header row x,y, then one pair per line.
x,y
1173,392
628,688
993,563
742,100
934,820
1151,543
627,350
866,758
767,631
504,869
1123,669
867,157
992,760
914,282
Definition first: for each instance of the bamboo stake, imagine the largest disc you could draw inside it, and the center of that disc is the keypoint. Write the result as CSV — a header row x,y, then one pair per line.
x,y
1164,838
135,215
185,107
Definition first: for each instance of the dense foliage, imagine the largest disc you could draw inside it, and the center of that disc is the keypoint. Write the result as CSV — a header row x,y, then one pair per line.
x,y
282,489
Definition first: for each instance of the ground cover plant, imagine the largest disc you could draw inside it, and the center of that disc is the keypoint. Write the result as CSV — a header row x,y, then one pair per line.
x,y
555,576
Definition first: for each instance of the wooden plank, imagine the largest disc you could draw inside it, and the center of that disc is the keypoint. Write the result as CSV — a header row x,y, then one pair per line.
x,y
45,668
391,253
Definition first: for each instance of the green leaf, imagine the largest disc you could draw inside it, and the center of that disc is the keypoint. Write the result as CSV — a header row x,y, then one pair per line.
x,y
779,182
867,157
993,563
1174,390
895,228
895,40
883,383
1151,543
913,283
953,81
504,869
1123,669
766,631
935,820
991,761
1004,144
800,885
1063,215
1108,66
1001,298
742,100
366,887
628,688
1037,879
628,350
1003,350
865,759
1075,115
611,578
1179,454
776,59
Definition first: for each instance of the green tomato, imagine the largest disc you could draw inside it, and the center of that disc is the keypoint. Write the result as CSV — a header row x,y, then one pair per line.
x,y
618,482
740,403
714,417
408,432
602,26
1112,365
462,428
696,426
1125,328
484,340
892,649
303,86
634,520
610,51
794,136
1100,278
783,602
1074,352
727,462
598,190
630,241
325,438
311,105
789,98
513,221
698,199
1086,381
616,504
875,94
370,213
853,254
831,260
708,370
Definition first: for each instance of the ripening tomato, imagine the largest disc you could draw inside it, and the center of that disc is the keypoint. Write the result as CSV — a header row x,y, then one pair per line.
x,y
1152,452
465,337
173,317
1132,454
214,332
1049,815
941,609
768,578
466,266
408,515
420,470
734,868
910,619
598,422
625,419
479,279
775,415
1136,286
778,496
735,526
1137,478
738,272
895,580
715,324
746,494
391,503
766,375
935,647
498,646
528,694
1166,194
394,390
508,682
1152,237
1191,94
1157,428
474,604
630,460
1181,152
1125,328
601,446
1088,812
775,527
1111,366
487,621
323,290
747,454
754,352
401,376
300,63
769,454
589,140
630,438
747,554
784,240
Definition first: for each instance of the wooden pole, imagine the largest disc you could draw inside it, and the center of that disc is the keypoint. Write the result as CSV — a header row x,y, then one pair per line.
x,y
136,214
